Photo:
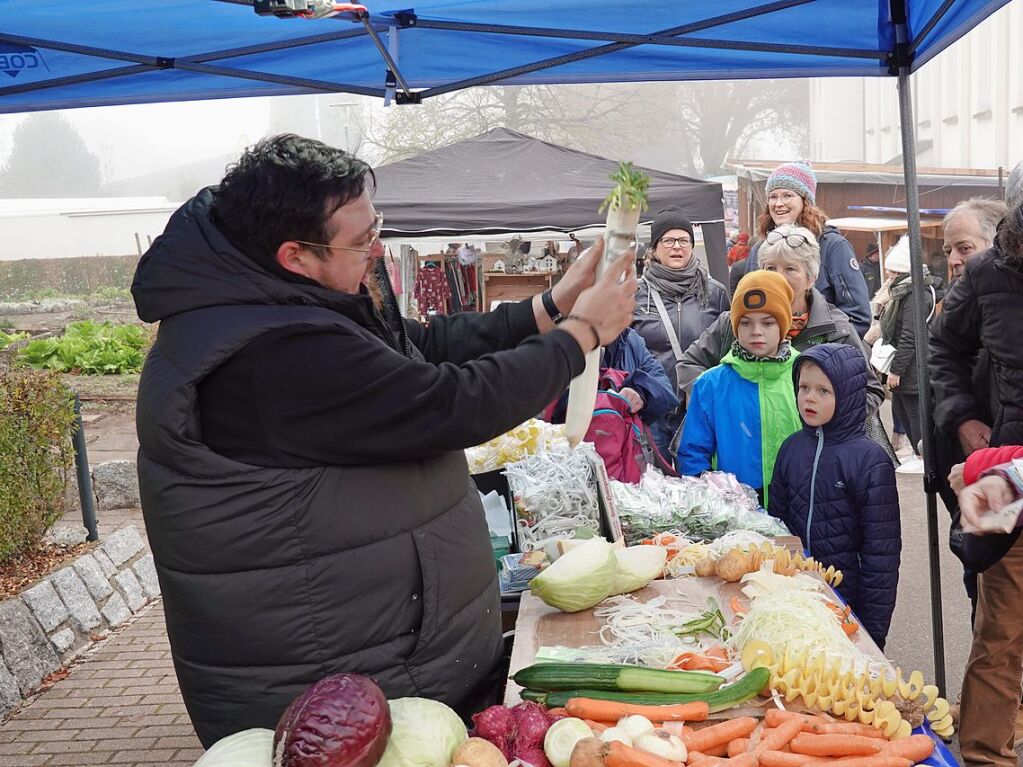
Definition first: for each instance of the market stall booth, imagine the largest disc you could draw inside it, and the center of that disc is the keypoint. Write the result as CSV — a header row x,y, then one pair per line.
x,y
58,56
506,185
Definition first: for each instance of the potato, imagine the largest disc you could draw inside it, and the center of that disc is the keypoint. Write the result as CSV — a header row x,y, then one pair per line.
x,y
588,752
476,752
705,567
733,565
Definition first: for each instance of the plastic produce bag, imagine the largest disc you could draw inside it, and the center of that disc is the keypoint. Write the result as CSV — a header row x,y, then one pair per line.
x,y
555,494
701,508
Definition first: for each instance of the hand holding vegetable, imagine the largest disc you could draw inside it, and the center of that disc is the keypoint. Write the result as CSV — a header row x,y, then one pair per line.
x,y
609,304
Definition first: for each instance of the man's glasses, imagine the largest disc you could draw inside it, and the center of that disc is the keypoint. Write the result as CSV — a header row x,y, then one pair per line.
x,y
671,242
792,240
378,226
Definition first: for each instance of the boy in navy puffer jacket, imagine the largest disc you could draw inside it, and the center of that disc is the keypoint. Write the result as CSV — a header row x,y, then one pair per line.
x,y
845,509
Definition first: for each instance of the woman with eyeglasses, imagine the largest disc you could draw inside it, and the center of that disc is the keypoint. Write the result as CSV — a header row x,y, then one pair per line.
x,y
793,252
792,199
677,300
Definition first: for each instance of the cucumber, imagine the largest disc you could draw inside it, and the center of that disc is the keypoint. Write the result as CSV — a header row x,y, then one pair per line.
x,y
725,698
548,677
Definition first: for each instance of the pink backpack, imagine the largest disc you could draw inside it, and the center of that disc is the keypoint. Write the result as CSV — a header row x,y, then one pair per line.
x,y
621,438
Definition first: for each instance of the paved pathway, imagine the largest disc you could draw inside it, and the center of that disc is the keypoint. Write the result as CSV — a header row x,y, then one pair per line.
x,y
119,705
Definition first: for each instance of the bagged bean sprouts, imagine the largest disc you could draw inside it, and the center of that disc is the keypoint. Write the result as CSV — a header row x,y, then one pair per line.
x,y
701,508
555,493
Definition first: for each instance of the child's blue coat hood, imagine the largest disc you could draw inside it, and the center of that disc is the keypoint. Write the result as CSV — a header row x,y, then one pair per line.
x,y
846,368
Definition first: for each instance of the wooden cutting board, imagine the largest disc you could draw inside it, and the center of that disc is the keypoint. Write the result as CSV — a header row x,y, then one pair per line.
x,y
541,626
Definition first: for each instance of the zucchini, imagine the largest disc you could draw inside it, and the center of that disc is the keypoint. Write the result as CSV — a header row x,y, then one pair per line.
x,y
549,677
736,694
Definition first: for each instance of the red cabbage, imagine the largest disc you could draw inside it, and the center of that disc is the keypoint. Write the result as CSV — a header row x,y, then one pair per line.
x,y
341,721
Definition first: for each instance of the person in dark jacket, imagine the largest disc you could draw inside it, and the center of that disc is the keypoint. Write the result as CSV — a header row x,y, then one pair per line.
x,y
871,268
647,388
675,281
984,310
301,463
835,487
792,199
898,329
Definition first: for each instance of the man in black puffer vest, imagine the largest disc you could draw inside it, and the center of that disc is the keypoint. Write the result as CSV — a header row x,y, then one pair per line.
x,y
301,463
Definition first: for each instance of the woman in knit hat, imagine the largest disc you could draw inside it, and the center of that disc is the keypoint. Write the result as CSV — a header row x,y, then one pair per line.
x,y
741,411
677,300
898,329
792,199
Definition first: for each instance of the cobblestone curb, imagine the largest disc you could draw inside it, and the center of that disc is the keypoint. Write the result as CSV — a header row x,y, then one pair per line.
x,y
61,616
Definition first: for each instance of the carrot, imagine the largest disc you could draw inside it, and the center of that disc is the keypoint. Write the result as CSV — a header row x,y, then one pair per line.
x,y
915,747
717,734
836,745
743,760
718,750
874,761
784,759
598,727
737,607
717,651
775,716
845,728
557,712
612,711
692,757
780,736
738,746
620,755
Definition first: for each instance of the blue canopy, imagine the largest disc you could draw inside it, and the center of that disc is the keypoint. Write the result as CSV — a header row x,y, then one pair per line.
x,y
60,54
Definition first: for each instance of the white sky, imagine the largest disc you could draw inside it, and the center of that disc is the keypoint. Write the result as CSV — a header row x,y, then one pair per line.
x,y
136,139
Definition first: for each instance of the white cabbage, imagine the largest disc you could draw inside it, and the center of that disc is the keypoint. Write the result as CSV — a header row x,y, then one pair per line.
x,y
424,733
578,579
637,566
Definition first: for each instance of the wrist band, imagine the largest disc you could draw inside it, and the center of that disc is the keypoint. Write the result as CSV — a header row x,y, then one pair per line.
x,y
547,299
587,323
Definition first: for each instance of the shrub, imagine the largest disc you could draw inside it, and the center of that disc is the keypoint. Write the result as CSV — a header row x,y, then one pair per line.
x,y
92,348
6,339
36,419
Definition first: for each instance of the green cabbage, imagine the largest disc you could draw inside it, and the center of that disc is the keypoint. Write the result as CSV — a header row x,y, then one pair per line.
x,y
578,579
637,566
424,733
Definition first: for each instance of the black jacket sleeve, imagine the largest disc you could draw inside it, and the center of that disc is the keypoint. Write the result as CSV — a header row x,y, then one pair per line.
x,y
955,341
462,337
905,351
313,398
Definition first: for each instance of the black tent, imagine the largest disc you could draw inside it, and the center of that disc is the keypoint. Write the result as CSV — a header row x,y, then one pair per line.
x,y
505,182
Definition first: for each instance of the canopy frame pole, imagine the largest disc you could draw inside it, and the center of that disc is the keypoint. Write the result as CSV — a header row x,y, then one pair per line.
x,y
392,65
902,59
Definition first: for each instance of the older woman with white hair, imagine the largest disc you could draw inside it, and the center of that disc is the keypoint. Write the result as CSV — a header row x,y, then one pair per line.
x,y
793,252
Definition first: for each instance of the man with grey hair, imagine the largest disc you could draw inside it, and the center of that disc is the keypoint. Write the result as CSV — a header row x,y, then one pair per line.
x,y
984,310
970,229
1014,186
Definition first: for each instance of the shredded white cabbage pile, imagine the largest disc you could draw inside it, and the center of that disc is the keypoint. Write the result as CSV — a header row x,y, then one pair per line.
x,y
799,624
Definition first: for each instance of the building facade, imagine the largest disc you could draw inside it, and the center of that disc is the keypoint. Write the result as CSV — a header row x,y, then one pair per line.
x,y
967,102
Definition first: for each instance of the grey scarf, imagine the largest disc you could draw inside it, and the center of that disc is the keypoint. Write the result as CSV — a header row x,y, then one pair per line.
x,y
676,284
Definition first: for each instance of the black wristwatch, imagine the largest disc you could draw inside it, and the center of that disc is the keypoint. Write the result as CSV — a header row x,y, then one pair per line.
x,y
552,309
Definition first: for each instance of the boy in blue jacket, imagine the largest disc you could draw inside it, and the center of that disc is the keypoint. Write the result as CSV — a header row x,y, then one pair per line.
x,y
835,488
741,411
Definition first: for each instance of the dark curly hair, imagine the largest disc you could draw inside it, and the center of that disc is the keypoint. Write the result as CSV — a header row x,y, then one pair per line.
x,y
286,188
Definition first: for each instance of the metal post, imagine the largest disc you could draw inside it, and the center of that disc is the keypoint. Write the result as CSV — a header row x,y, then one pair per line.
x,y
920,296
84,477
